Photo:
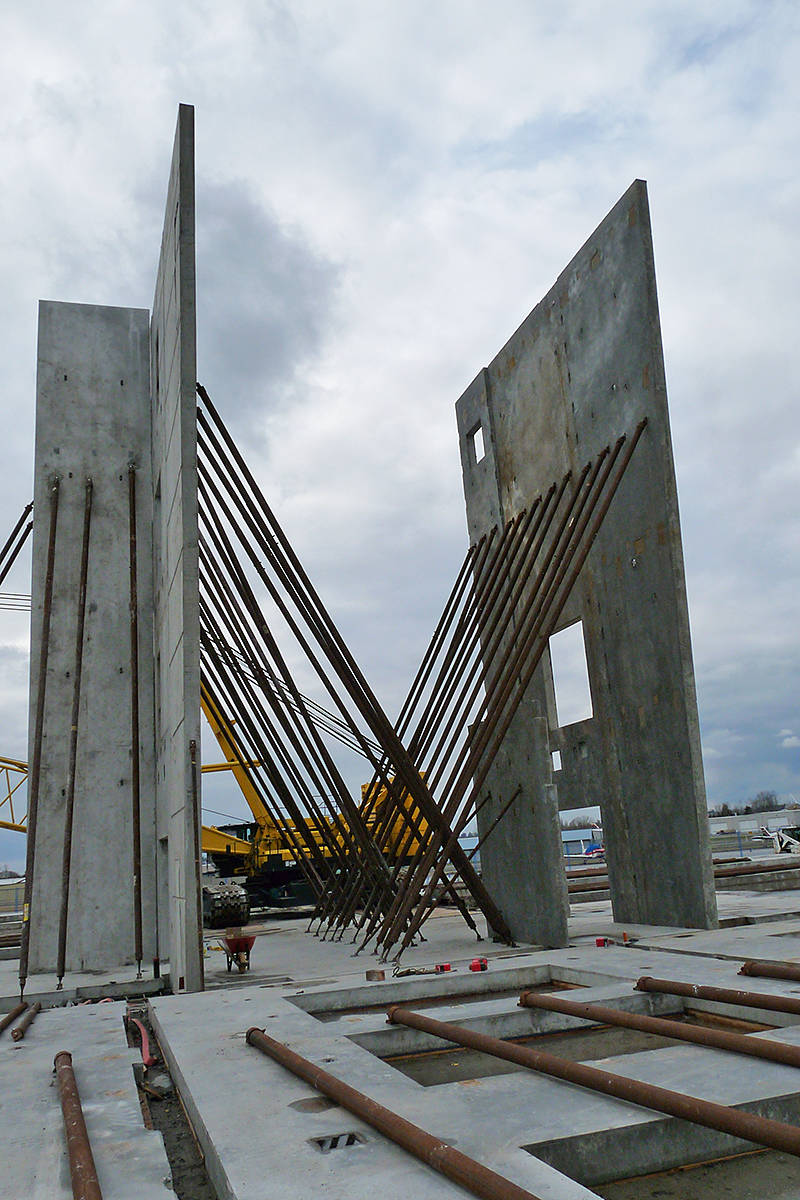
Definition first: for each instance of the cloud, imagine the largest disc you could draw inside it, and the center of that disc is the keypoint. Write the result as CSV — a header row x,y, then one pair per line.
x,y
790,743
384,192
264,300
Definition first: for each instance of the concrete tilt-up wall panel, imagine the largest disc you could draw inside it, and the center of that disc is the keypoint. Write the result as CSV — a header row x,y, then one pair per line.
x,y
175,551
92,421
584,368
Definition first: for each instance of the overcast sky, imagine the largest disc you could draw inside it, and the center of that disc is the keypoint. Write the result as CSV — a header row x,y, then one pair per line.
x,y
384,191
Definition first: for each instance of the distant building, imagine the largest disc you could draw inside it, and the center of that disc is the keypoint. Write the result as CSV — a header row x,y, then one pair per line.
x,y
754,822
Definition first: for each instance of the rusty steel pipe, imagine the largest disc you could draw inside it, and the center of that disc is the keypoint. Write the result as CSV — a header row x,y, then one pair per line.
x,y
719,1039
135,749
752,1128
25,513
597,884
215,684
436,898
198,866
483,559
699,991
495,594
12,558
12,1015
556,580
300,715
38,734
272,783
287,776
225,691
273,544
492,653
771,970
445,1159
19,1031
475,558
500,675
581,872
81,1160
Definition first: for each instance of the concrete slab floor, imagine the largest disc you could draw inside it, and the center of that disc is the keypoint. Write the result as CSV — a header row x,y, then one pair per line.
x,y
130,1160
257,1122
249,1112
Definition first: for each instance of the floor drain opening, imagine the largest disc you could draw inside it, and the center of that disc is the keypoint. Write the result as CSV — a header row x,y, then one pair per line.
x,y
337,1141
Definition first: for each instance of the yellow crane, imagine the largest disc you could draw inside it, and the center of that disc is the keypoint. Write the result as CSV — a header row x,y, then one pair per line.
x,y
269,840
13,813
243,855
14,773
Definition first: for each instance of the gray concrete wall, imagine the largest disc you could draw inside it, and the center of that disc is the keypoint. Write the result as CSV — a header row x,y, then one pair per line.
x,y
92,419
114,387
584,367
534,902
175,555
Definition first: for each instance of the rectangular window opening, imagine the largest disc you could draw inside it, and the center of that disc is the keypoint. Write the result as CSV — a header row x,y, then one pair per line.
x,y
570,676
556,756
475,437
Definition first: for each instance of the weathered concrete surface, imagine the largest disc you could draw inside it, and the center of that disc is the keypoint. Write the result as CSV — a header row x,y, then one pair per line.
x,y
256,1120
253,1117
92,420
274,1141
584,368
175,555
535,902
130,1160
116,388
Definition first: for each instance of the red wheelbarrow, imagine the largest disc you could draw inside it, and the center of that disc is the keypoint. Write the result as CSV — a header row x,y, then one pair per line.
x,y
237,950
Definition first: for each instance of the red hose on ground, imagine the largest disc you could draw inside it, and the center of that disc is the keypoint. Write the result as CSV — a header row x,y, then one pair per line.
x,y
147,1057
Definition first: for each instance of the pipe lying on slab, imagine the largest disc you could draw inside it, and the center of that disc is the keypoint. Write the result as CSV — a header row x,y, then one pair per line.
x,y
699,991
771,970
762,1130
472,1175
19,1031
34,774
719,1039
12,1015
69,804
81,1160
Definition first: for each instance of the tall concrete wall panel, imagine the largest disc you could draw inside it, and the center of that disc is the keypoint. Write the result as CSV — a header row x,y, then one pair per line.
x,y
115,387
584,368
93,419
175,549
